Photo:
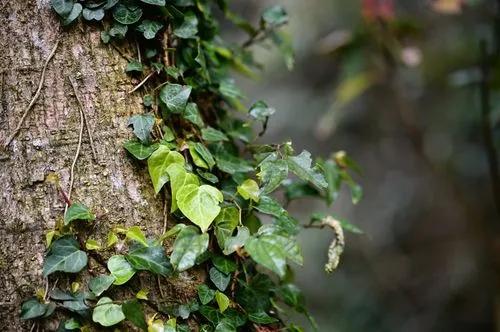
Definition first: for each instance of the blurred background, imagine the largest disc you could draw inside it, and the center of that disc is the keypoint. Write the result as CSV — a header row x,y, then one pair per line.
x,y
397,85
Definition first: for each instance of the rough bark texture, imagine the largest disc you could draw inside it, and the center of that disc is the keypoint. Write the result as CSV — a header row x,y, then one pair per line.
x,y
115,187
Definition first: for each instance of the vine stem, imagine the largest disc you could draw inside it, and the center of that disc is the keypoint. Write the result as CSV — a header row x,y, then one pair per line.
x,y
35,97
141,83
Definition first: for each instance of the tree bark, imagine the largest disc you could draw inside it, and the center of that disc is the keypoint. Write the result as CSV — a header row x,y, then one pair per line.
x,y
116,188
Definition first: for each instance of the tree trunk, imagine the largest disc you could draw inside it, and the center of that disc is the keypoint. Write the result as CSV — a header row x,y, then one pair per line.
x,y
113,186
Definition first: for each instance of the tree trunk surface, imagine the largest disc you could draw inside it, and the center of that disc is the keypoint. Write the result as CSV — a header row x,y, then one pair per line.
x,y
117,189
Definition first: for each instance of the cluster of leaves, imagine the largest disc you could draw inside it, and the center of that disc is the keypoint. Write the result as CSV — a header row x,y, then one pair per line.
x,y
204,157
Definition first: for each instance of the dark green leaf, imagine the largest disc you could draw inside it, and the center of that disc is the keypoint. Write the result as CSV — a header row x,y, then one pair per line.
x,y
32,308
134,66
62,7
143,124
155,2
275,15
205,294
77,211
210,134
65,255
151,258
100,284
192,114
224,265
93,14
234,243
118,30
127,14
225,224
73,15
149,28
175,97
261,318
272,173
301,166
260,111
225,326
188,28
134,313
268,205
211,314
139,150
188,246
292,296
220,279
268,252
204,154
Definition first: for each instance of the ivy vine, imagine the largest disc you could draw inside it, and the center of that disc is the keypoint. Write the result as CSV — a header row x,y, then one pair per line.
x,y
197,141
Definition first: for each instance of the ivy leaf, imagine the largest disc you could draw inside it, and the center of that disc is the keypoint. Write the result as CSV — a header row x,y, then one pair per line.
x,y
272,173
135,233
210,134
151,258
284,43
100,284
333,178
92,244
127,14
220,279
275,15
192,114
71,324
175,96
73,15
260,111
107,313
149,28
158,163
134,313
231,164
188,246
236,242
225,223
224,264
120,269
62,7
32,308
93,14
155,2
293,297
203,153
179,178
301,166
270,206
139,150
65,255
188,28
211,314
249,189
118,30
267,251
205,294
143,124
77,211
261,317
134,65
197,159
200,204
222,301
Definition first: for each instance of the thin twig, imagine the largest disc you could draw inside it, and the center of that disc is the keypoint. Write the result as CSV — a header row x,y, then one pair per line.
x,y
33,327
142,82
165,214
138,51
35,97
159,287
77,153
94,154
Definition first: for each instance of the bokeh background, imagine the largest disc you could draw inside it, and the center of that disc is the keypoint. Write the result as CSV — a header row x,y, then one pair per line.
x,y
396,84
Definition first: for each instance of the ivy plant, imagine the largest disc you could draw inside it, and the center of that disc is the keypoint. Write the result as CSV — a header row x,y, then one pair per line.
x,y
196,138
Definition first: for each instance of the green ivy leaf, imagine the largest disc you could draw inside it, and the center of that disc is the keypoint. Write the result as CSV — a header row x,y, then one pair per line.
x,y
225,223
92,244
270,206
200,204
118,30
188,246
134,313
192,114
179,178
188,28
333,178
152,259
260,111
211,314
284,43
175,96
268,252
231,164
77,211
158,163
100,284
199,151
65,255
224,264
62,7
293,297
96,14
205,294
143,124
301,166
127,14
73,15
222,301
32,308
261,317
134,66
155,2
71,324
139,150
272,173
107,313
149,28
220,279
275,15
234,243
120,269
135,233
249,189
210,134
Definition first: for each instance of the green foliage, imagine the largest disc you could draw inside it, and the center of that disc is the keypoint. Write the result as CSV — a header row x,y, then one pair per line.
x,y
221,181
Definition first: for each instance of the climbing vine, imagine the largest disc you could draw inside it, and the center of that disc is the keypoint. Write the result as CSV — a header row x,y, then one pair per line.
x,y
223,190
